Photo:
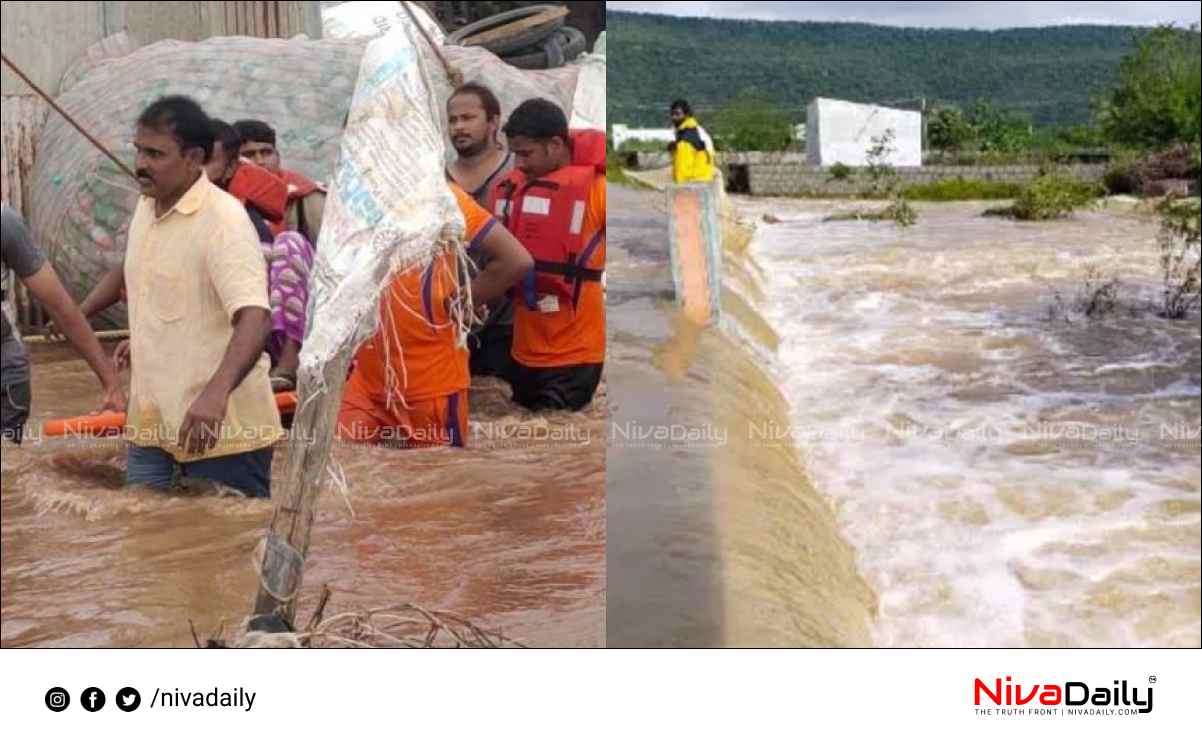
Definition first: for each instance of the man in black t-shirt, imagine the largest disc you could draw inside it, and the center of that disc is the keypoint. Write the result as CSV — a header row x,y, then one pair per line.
x,y
473,120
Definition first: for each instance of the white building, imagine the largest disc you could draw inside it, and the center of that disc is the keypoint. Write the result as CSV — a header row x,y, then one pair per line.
x,y
843,132
623,133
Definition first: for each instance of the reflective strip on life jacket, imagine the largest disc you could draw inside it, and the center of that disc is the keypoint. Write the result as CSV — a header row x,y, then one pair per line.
x,y
577,218
538,205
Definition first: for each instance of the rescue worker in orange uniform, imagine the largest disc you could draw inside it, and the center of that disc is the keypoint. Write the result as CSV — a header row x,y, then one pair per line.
x,y
409,383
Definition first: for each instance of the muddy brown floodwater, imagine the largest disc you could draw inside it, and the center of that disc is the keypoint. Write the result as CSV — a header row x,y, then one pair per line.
x,y
509,533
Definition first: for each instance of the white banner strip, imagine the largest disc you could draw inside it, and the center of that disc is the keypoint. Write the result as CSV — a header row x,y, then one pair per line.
x,y
602,695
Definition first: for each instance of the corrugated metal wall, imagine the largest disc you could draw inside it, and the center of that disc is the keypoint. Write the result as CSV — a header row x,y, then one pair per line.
x,y
22,119
44,38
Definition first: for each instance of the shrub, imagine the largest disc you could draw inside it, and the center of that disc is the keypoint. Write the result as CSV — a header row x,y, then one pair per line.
x,y
900,212
1180,259
1097,297
1050,196
961,189
643,145
881,175
1123,177
840,172
751,124
949,129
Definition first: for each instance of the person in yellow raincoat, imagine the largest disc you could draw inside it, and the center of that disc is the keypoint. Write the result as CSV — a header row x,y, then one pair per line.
x,y
692,152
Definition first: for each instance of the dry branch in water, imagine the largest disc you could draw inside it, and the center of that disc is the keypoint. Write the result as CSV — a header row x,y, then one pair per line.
x,y
403,626
400,626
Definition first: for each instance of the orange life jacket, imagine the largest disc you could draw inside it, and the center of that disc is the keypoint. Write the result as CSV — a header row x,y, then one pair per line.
x,y
547,216
261,189
299,185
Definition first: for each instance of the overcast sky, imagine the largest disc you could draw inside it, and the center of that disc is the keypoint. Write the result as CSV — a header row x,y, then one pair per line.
x,y
938,14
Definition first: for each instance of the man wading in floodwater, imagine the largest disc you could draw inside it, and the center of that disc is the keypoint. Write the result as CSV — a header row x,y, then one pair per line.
x,y
200,401
555,203
474,118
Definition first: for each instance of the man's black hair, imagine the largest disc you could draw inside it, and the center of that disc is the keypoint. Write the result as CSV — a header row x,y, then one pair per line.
x,y
682,105
184,118
228,136
488,99
253,130
537,119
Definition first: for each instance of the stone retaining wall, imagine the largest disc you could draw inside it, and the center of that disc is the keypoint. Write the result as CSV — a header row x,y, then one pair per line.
x,y
786,179
789,174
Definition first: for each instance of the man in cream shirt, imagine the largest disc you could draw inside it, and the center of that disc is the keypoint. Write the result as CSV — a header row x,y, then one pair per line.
x,y
200,401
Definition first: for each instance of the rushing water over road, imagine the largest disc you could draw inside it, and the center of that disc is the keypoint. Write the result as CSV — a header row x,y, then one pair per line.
x,y
1008,473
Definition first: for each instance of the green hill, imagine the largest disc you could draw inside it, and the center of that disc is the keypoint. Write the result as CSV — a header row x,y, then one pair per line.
x,y
1050,73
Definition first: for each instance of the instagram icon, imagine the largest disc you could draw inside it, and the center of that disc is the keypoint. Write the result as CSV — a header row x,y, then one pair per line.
x,y
57,699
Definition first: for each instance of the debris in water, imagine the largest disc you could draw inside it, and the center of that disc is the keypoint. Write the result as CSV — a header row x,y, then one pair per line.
x,y
404,625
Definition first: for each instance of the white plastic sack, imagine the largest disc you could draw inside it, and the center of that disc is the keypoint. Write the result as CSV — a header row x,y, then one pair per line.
x,y
512,86
389,207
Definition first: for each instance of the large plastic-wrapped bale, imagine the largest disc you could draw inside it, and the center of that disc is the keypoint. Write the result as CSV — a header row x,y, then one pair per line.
x,y
588,108
82,202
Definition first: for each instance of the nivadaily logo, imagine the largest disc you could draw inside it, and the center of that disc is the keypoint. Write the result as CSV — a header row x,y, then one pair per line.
x,y
1066,698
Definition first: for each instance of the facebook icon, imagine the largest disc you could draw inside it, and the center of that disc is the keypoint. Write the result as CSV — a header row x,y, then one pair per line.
x,y
92,699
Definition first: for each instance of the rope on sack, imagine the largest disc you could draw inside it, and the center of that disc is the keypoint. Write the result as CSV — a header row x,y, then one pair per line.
x,y
453,74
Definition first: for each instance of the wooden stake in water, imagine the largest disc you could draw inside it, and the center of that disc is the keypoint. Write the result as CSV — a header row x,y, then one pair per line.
x,y
281,565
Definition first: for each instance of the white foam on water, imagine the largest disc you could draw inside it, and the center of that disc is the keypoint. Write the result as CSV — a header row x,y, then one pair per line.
x,y
919,409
